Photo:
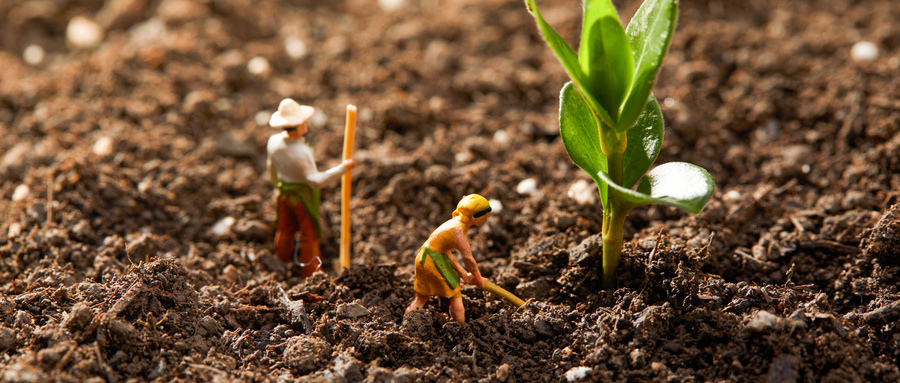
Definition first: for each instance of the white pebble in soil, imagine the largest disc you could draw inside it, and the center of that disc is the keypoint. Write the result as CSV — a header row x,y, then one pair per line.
x,y
762,321
501,137
14,230
223,226
262,118
319,118
103,147
294,47
259,66
21,192
732,197
577,373
864,51
33,55
390,5
583,192
527,186
496,206
84,33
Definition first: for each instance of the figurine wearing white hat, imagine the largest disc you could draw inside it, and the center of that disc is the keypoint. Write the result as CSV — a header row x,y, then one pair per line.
x,y
292,167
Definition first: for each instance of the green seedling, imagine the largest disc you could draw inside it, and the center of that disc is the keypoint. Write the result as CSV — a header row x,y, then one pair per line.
x,y
611,124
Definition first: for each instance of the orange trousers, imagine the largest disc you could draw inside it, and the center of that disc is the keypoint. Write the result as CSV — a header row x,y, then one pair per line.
x,y
291,219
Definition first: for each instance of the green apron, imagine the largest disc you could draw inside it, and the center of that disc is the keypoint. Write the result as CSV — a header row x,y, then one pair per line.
x,y
310,197
443,265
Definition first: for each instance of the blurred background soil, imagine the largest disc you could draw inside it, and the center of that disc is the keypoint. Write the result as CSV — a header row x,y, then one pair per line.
x,y
135,212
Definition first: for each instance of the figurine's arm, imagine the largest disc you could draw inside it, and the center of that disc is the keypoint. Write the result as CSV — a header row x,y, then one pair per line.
x,y
319,179
473,277
273,174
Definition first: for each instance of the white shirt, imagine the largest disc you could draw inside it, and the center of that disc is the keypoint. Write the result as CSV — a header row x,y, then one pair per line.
x,y
292,161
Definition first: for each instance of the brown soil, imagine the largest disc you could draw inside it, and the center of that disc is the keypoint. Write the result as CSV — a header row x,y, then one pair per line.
x,y
790,274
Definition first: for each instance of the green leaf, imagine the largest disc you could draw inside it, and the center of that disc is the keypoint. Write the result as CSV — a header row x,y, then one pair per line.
x,y
644,142
605,55
649,33
580,135
569,60
678,184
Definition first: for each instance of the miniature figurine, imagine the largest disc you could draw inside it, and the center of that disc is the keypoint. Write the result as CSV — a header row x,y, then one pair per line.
x,y
292,167
437,270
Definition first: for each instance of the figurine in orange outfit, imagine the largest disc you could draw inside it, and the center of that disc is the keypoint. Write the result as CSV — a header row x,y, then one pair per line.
x,y
437,270
292,167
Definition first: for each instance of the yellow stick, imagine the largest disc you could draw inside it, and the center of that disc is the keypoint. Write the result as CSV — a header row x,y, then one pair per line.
x,y
349,130
502,293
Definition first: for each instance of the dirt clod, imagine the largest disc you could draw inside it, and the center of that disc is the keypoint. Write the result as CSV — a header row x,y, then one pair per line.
x,y
305,354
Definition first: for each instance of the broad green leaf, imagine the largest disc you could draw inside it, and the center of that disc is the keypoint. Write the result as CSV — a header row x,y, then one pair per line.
x,y
644,141
678,184
569,60
605,55
649,33
578,130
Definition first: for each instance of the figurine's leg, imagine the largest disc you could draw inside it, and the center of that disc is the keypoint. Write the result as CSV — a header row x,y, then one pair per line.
x,y
285,229
457,311
310,255
418,302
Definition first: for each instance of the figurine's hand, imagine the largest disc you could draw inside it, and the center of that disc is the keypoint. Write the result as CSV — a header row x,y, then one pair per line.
x,y
349,163
478,281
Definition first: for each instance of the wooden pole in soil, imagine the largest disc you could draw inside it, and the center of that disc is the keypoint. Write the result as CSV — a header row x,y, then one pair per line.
x,y
349,130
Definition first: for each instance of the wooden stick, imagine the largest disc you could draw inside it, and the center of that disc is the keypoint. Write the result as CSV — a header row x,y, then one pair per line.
x,y
349,131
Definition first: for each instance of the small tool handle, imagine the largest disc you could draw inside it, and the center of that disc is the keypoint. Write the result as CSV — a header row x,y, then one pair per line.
x,y
502,293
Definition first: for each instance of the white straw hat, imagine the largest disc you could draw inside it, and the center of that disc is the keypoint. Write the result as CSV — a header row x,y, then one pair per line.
x,y
290,113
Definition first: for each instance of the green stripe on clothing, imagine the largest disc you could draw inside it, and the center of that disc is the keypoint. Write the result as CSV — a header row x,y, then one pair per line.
x,y
443,265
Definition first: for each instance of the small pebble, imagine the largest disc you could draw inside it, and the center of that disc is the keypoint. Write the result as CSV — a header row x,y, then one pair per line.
x,y
583,192
577,373
262,118
496,206
390,5
16,156
352,310
762,320
731,197
103,147
319,118
527,186
84,33
366,114
33,55
14,230
231,274
259,66
7,339
864,51
543,327
501,137
503,372
223,226
669,102
436,103
22,191
294,47
148,33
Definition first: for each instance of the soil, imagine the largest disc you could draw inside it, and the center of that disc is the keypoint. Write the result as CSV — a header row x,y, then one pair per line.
x,y
135,210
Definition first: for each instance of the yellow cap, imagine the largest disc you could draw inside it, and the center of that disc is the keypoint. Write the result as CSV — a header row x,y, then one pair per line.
x,y
472,205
